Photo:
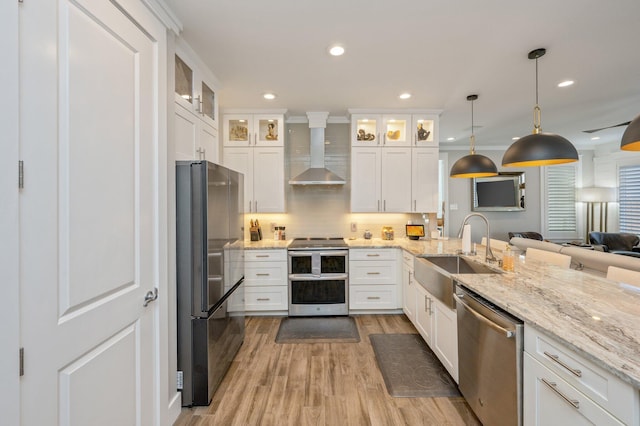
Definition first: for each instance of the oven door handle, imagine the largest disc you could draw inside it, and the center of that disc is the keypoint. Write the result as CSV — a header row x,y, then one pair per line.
x,y
324,277
297,253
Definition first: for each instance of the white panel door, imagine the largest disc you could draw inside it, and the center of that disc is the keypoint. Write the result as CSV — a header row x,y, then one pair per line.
x,y
396,180
186,133
268,180
365,180
89,213
424,182
241,160
208,140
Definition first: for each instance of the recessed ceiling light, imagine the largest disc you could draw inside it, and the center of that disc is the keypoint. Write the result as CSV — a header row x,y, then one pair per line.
x,y
565,83
451,139
405,96
595,138
336,50
269,96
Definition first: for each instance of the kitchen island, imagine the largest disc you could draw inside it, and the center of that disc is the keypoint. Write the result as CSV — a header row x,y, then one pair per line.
x,y
597,318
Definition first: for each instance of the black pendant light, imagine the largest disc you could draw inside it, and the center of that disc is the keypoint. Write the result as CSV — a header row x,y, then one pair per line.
x,y
473,165
631,136
539,149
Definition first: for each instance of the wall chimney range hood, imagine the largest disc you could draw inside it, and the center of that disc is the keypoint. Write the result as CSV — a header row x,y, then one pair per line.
x,y
317,173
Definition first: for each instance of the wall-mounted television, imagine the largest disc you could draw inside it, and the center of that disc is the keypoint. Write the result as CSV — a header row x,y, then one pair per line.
x,y
504,192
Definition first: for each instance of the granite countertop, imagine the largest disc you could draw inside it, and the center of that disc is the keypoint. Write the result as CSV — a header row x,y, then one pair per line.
x,y
597,318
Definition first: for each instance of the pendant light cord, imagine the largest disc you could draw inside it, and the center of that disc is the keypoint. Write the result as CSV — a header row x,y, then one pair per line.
x,y
473,138
537,113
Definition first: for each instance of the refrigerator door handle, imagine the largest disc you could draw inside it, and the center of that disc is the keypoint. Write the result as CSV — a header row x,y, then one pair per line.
x,y
150,296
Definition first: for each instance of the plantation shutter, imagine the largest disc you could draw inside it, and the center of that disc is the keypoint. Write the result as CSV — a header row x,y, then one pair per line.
x,y
561,199
629,196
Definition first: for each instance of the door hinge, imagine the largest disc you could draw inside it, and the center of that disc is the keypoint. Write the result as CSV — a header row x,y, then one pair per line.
x,y
20,174
179,380
21,362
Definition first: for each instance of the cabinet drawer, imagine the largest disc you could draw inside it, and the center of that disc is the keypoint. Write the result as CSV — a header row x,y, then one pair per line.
x,y
267,298
260,274
407,259
608,391
369,254
373,272
373,297
265,255
550,400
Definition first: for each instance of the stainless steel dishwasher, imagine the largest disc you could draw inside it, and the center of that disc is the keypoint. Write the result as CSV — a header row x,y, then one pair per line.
x,y
490,345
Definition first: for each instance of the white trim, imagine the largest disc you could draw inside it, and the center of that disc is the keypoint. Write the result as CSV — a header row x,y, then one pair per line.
x,y
393,111
164,13
9,215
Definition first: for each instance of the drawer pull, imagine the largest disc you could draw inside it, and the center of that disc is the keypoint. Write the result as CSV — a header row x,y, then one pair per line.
x,y
373,273
263,299
262,255
263,275
373,297
556,359
373,255
574,402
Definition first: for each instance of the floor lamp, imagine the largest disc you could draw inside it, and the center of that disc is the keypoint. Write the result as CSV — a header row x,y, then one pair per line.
x,y
592,196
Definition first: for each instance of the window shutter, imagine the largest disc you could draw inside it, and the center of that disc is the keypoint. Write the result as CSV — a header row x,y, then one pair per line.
x,y
560,202
629,196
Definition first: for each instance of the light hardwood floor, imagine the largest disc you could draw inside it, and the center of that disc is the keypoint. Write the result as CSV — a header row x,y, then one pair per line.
x,y
317,384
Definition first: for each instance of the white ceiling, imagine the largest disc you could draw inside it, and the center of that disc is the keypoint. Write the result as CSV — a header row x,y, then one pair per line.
x,y
439,51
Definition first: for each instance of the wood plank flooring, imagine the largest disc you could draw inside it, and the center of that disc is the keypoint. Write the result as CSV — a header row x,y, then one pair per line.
x,y
317,384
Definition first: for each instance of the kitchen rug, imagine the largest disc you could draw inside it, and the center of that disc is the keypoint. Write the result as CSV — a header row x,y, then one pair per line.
x,y
409,368
318,330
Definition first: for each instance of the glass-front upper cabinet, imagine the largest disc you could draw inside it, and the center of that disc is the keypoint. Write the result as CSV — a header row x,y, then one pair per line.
x,y
425,130
208,105
253,130
193,93
380,130
396,130
184,82
365,130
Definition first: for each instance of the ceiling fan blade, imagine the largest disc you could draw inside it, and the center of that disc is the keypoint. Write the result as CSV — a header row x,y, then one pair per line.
x,y
608,127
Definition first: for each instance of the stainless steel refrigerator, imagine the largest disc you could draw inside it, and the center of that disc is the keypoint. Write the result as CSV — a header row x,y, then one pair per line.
x,y
210,275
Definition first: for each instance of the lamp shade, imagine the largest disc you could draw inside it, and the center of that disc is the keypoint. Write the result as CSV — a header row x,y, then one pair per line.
x,y
540,149
597,195
473,166
631,136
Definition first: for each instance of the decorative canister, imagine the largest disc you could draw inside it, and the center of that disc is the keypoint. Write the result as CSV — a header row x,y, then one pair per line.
x,y
387,233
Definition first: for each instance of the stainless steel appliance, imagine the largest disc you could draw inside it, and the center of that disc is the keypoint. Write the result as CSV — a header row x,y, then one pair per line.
x,y
318,277
490,345
210,273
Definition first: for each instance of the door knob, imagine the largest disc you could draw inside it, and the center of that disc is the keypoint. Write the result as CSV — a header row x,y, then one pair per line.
x,y
150,296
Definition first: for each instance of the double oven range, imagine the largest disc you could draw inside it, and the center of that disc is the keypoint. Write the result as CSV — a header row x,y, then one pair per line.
x,y
318,277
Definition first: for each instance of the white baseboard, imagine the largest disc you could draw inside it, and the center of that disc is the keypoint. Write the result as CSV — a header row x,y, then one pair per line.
x,y
174,408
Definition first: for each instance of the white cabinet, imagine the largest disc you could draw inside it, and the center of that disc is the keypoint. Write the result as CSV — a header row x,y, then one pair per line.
x,y
374,279
247,129
381,180
424,179
437,324
195,108
254,148
562,387
424,317
194,138
394,180
394,163
409,295
265,280
263,170
394,128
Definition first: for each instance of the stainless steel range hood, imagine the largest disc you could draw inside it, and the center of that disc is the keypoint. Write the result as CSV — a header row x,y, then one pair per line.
x,y
317,173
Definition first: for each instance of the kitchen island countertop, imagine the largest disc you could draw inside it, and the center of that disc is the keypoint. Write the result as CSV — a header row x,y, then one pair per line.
x,y
596,317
